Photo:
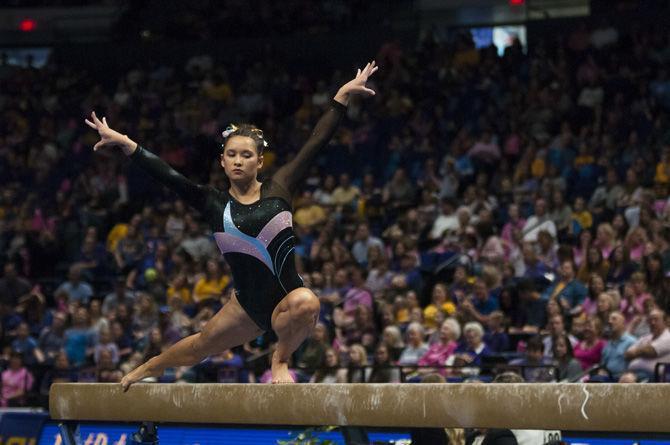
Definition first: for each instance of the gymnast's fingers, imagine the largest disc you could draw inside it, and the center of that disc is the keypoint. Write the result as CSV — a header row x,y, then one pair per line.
x,y
96,120
90,124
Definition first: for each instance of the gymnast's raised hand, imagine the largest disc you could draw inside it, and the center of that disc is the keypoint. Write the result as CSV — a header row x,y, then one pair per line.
x,y
357,86
109,137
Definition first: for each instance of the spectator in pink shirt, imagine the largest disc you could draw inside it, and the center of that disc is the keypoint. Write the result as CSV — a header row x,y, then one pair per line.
x,y
486,149
16,382
514,223
357,294
634,296
440,351
589,351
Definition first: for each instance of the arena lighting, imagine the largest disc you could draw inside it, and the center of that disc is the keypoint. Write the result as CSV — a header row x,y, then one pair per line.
x,y
27,25
516,2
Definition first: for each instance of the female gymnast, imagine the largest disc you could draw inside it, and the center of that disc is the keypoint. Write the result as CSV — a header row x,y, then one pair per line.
x,y
252,225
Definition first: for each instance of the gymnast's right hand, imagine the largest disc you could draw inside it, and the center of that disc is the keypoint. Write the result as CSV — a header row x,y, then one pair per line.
x,y
109,137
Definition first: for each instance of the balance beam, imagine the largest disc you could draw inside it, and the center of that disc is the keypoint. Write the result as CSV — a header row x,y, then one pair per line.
x,y
577,407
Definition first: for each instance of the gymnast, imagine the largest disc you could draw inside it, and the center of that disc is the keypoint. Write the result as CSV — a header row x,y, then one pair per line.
x,y
252,225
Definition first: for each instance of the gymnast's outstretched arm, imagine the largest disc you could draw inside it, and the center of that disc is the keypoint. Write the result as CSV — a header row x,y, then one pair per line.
x,y
194,194
290,174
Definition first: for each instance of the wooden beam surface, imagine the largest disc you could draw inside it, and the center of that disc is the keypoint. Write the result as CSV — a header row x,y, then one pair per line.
x,y
578,407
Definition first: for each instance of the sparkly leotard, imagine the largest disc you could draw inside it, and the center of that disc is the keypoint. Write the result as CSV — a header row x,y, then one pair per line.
x,y
257,240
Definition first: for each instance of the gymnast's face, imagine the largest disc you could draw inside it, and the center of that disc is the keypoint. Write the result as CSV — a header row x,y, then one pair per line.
x,y
240,159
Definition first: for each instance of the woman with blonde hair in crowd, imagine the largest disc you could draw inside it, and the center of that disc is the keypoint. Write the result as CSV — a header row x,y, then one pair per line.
x,y
636,241
605,239
605,305
356,370
392,338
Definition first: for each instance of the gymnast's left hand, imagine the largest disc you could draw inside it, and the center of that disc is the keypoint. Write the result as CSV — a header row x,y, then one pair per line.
x,y
357,86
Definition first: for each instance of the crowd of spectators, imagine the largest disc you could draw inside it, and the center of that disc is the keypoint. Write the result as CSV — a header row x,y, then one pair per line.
x,y
481,210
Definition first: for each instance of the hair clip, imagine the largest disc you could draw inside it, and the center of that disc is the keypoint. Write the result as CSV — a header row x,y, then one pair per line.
x,y
232,128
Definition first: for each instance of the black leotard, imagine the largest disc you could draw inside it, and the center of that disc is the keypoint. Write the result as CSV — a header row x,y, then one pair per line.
x,y
257,240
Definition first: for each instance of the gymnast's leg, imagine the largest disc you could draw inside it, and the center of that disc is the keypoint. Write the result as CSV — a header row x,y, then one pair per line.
x,y
292,320
230,327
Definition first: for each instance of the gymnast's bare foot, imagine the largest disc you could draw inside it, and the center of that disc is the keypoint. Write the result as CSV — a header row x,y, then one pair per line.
x,y
280,373
140,373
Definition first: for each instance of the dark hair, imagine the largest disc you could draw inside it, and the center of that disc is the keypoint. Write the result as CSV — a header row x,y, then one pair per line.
x,y
535,344
508,377
568,345
248,130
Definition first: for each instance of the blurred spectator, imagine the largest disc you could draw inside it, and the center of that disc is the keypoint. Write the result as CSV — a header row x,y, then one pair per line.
x,y
328,369
481,303
106,343
364,241
535,366
79,339
392,338
383,370
26,345
52,338
650,349
61,372
12,286
439,302
569,292
613,356
556,329
589,350
210,287
568,367
538,222
17,382
415,347
496,336
438,352
121,295
356,370
470,352
313,349
77,291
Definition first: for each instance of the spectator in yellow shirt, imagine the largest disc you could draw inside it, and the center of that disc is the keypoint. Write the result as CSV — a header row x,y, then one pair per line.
x,y
179,288
581,215
663,167
211,285
440,302
308,213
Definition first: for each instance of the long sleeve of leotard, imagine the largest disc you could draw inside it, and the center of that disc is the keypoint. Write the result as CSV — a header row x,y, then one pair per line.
x,y
292,172
194,194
